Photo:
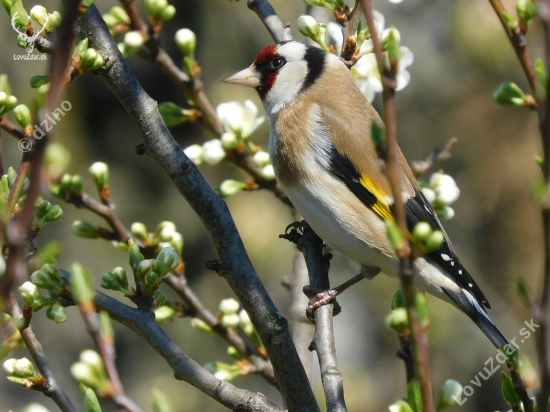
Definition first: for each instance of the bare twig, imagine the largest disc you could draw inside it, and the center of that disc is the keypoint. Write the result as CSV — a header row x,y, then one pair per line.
x,y
186,369
519,42
420,167
323,343
234,264
11,128
261,365
52,388
107,352
278,31
419,338
543,310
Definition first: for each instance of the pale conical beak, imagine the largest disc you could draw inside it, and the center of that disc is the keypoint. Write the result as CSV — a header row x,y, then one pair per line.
x,y
248,77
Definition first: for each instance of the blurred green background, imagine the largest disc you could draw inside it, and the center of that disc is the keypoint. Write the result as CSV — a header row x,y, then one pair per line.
x,y
461,57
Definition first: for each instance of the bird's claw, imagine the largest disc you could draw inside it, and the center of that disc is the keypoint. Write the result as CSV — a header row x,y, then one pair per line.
x,y
321,298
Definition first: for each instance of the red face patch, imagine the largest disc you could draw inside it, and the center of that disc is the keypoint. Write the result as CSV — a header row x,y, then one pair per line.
x,y
266,54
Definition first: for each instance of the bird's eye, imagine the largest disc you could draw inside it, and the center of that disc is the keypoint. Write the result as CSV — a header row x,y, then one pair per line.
x,y
277,63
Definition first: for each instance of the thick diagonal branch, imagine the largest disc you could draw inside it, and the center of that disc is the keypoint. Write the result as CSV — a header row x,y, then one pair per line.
x,y
234,263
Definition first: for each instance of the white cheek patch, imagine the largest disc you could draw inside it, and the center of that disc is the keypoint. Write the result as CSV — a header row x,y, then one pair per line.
x,y
288,84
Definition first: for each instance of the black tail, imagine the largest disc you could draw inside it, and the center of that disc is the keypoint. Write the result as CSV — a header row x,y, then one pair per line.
x,y
469,304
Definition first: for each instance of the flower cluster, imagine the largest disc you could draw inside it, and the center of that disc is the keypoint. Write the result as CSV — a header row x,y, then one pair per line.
x,y
48,278
239,121
365,70
21,371
441,192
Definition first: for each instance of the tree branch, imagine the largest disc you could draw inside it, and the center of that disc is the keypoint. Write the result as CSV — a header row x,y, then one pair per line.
x,y
419,338
185,368
52,389
234,263
420,167
323,343
278,31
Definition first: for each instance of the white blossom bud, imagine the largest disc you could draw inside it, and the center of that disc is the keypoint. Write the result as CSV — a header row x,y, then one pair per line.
x,y
186,41
35,407
450,394
133,39
92,359
445,188
308,26
229,141
213,152
23,368
195,153
230,321
260,159
231,187
268,173
9,366
228,306
28,291
429,194
83,373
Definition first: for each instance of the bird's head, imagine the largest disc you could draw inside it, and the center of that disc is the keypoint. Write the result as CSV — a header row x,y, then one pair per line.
x,y
281,71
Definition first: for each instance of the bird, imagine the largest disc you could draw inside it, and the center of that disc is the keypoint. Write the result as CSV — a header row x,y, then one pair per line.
x,y
325,160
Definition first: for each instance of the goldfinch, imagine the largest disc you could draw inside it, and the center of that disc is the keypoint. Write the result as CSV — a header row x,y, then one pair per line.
x,y
325,160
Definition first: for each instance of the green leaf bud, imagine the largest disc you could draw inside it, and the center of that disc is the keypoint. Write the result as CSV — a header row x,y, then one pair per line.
x,y
434,241
164,313
167,13
422,231
58,313
201,326
82,285
143,267
120,14
22,115
509,94
139,230
161,403
134,253
84,229
38,81
76,185
526,10
91,401
92,60
81,47
398,300
169,257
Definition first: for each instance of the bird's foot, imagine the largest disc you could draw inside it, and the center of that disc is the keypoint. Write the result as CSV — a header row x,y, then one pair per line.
x,y
321,298
324,297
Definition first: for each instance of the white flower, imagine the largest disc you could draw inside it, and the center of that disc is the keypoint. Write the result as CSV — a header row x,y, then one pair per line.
x,y
213,152
194,153
429,194
231,187
367,76
229,305
445,188
239,119
260,159
334,31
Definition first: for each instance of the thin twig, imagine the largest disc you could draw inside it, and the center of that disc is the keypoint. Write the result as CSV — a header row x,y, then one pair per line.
x,y
52,388
419,338
323,343
107,352
185,368
519,42
543,310
261,365
420,167
278,31
234,264
11,128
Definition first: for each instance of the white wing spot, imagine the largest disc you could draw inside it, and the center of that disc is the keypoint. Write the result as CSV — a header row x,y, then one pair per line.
x,y
452,263
445,257
460,272
471,285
